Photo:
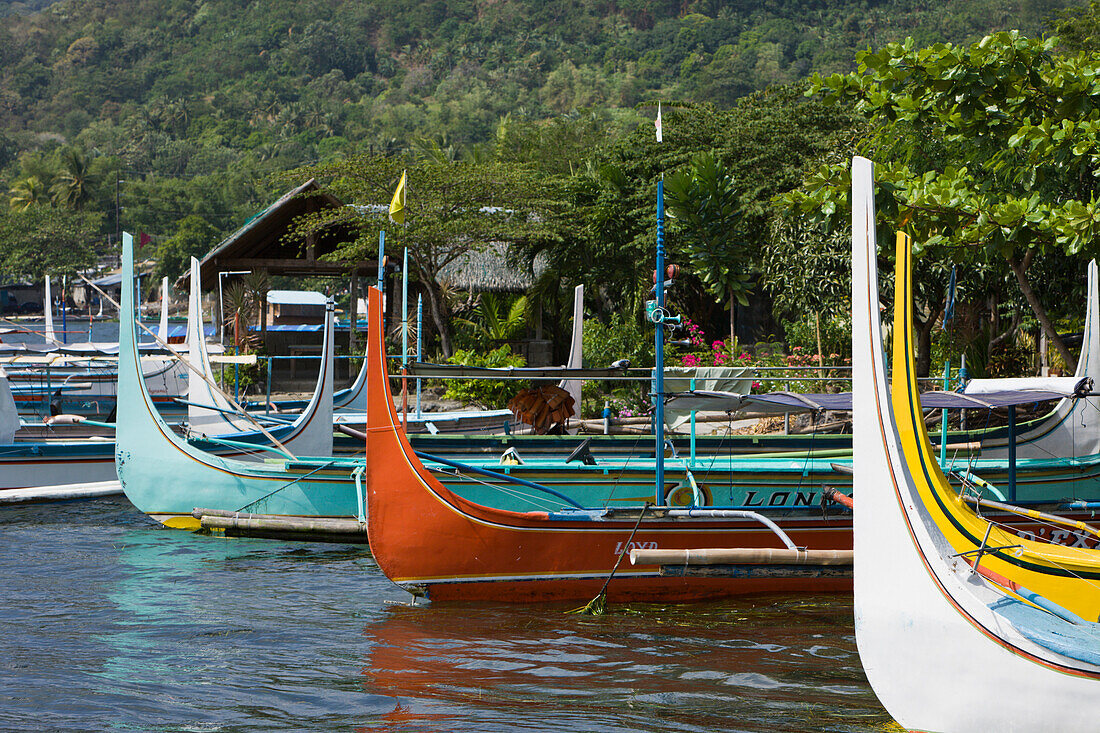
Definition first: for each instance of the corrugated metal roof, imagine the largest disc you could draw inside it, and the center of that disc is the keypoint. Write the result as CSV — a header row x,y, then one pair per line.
x,y
296,297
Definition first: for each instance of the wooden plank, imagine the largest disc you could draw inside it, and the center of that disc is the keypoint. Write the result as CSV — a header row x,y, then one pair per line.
x,y
63,492
741,556
318,529
755,571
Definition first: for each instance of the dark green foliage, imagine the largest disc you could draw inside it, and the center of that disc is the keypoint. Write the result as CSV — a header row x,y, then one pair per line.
x,y
194,237
485,392
42,240
159,114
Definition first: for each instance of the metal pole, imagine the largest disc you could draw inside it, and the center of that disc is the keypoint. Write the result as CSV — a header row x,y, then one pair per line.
x,y
658,351
405,340
693,428
236,352
943,420
419,343
381,254
962,383
65,312
1012,454
405,309
221,312
382,277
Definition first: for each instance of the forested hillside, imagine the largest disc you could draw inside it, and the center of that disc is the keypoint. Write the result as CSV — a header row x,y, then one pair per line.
x,y
181,118
23,7
223,91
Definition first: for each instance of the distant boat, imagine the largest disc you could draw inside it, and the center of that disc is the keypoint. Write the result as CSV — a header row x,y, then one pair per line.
x,y
57,468
45,374
961,625
51,468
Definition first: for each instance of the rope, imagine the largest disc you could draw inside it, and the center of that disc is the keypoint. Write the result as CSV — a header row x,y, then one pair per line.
x,y
598,605
287,486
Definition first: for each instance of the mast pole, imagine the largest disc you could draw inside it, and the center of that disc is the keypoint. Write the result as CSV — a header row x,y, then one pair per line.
x,y
659,351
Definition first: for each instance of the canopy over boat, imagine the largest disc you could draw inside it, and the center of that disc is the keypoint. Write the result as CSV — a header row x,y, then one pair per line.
x,y
991,394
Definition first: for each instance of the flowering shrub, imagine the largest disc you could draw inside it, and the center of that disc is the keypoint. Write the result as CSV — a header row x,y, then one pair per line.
x,y
804,377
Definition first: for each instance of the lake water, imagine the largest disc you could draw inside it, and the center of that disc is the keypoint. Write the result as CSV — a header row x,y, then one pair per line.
x,y
77,329
113,623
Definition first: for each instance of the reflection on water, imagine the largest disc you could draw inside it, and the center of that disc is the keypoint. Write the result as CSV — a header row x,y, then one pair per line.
x,y
114,623
764,665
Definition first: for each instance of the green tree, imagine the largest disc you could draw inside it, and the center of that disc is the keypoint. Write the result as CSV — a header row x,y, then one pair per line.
x,y
28,192
808,270
453,208
1029,116
73,186
41,240
496,320
194,237
704,201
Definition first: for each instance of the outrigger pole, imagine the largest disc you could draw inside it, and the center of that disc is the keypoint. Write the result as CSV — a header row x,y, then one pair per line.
x,y
659,349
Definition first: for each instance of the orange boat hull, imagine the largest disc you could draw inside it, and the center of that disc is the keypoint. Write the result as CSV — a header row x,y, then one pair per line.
x,y
439,545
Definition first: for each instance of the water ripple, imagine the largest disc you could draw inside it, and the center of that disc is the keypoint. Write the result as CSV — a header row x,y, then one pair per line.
x,y
113,623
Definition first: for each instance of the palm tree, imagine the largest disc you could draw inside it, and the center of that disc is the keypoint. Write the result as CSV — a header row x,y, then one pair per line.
x,y
72,186
496,319
257,284
27,192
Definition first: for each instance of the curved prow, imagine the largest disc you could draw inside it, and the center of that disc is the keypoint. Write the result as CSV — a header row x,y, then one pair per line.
x,y
9,414
402,495
137,422
209,413
312,430
47,309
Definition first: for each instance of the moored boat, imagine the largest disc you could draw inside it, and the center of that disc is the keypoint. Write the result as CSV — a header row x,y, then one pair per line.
x,y
952,628
435,543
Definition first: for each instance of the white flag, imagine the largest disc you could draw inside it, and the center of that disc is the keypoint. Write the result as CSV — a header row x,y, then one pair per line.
x,y
657,122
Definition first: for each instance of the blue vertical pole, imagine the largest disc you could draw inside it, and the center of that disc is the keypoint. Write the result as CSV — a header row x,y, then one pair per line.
x,y
382,274
419,343
1012,454
405,309
659,350
943,420
381,254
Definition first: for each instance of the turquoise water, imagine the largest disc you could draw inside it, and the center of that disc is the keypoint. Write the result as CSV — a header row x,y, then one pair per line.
x,y
112,623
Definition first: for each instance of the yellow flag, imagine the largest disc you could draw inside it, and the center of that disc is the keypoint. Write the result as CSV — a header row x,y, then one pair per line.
x,y
397,205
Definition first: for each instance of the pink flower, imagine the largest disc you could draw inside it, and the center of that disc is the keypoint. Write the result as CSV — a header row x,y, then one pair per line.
x,y
717,345
744,356
797,348
689,360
